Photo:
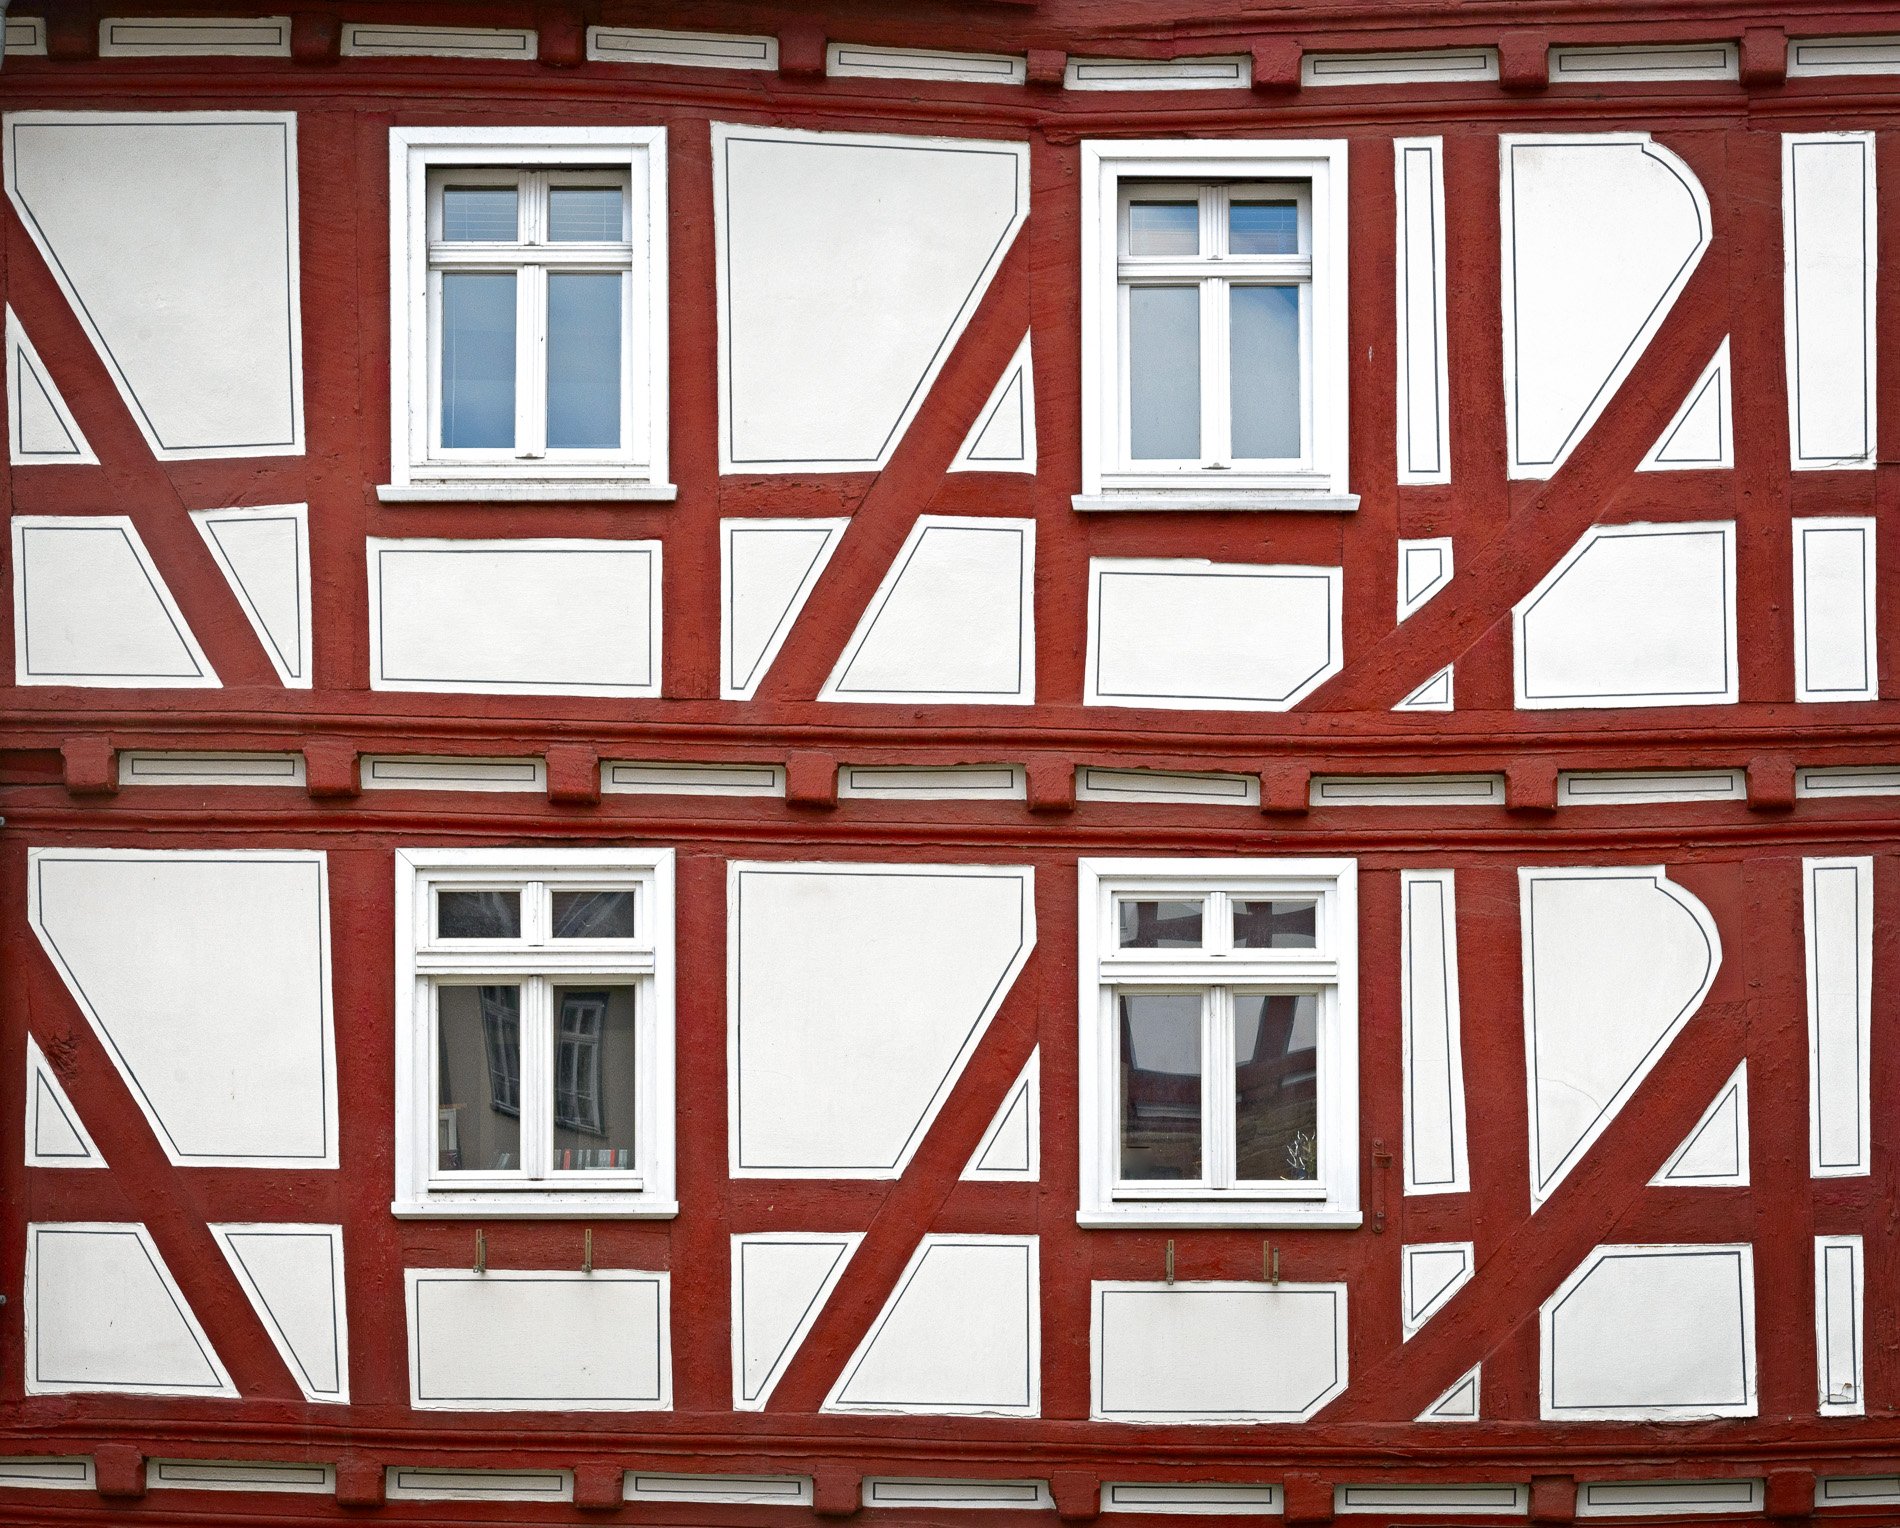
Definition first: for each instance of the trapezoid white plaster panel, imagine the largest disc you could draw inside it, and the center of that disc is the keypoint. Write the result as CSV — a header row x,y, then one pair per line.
x,y
41,430
206,976
848,265
1838,912
954,621
55,1134
1424,411
1438,693
1616,961
1182,634
767,570
1216,1352
539,1340
780,1282
1714,1154
1425,567
1835,644
293,1275
90,609
1652,1333
173,234
1839,1325
264,554
1701,438
1011,1149
1829,263
1634,615
960,1335
1430,1274
104,1314
855,996
527,617
1003,439
1601,232
1435,1158
1460,1403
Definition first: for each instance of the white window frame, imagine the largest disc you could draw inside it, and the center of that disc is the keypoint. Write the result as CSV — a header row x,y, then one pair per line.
x,y
1110,479
1331,1200
419,468
424,963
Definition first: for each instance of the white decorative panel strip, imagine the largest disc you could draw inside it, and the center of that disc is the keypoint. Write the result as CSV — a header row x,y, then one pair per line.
x,y
41,430
950,782
693,50
430,772
619,777
1714,1154
1223,72
1430,1273
1839,1321
409,1483
56,1136
1857,1491
46,1472
1636,787
1835,651
1829,264
1155,785
720,1490
780,1282
239,1475
1406,790
1425,567
1435,694
862,61
294,1277
1848,780
1003,439
1669,1498
1460,1402
366,39
1424,385
1427,66
1637,62
175,36
1435,1160
1406,1500
1701,436
176,767
893,1491
1011,1149
1809,57
26,38
1838,902
767,570
264,554
1200,1498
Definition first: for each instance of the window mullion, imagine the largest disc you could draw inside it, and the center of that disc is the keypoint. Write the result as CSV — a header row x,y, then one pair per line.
x,y
531,352
1217,1088
537,1084
1216,408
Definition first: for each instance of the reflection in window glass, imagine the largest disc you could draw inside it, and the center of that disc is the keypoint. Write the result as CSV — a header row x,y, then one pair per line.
x,y
593,1079
479,214
478,915
1276,1086
1160,1085
1164,373
584,330
1159,925
1264,341
593,915
478,360
1276,925
1263,228
1164,228
585,215
478,1079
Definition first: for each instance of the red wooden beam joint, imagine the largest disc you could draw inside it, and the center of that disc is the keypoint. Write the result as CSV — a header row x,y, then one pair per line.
x,y
1286,790
119,1471
1530,785
1764,56
811,780
573,774
72,31
836,1492
1051,785
599,1487
1790,1495
359,1483
1524,61
1309,1499
1078,1495
329,769
563,36
1771,783
1048,66
801,52
316,37
1553,1499
1276,66
90,766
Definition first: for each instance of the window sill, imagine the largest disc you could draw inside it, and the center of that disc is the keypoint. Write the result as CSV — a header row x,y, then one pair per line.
x,y
535,1207
524,491
1186,1216
1214,499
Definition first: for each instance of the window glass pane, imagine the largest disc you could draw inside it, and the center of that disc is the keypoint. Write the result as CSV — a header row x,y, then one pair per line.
x,y
1164,228
593,1079
583,360
1263,228
479,213
478,360
1276,1086
1265,343
1159,925
585,214
1164,366
1160,1085
593,915
478,915
1276,925
478,1079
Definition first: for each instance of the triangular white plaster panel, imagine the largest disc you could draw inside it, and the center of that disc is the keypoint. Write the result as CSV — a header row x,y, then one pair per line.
x,y
1616,961
953,621
1003,439
1425,567
1714,1154
41,430
780,1282
55,1134
294,1277
1432,1273
1701,436
264,555
1010,1151
959,1334
1435,694
1460,1402
767,571
1601,232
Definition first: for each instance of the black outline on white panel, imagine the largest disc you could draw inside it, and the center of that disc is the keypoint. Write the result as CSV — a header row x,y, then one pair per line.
x,y
317,859
1834,1398
731,685
1791,144
1025,1094
1847,780
25,369
151,37
1508,145
1469,1383
1808,57
25,37
293,667
1804,687
1553,1410
202,676
1640,63
661,1282
1639,787
723,1490
1437,546
1669,1498
1018,381
1101,569
1405,790
1223,71
736,871
1857,1490
635,777
1100,1291
1544,1181
1438,693
1422,1012
689,50
1192,1498
1029,1406
1414,1310
229,1235
853,60
44,1091
178,766
1166,786
1408,66
1023,693
144,124
946,1494
1731,1097
36,1384
47,1472
925,782
402,1482
239,1475
1727,695
451,772
381,40
1858,1033
1424,266
845,1244
1715,375
724,136
1469,1498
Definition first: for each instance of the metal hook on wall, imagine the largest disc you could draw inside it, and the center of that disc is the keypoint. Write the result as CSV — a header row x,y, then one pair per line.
x,y
587,1250
481,1250
1170,1260
1270,1262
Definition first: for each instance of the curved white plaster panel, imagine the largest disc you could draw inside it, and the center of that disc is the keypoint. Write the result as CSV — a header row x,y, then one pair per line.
x,y
1217,1352
206,975
1701,437
768,569
174,237
780,1282
1011,1149
848,265
855,995
960,1334
1714,1154
953,622
55,1134
1601,232
264,554
1616,961
1431,1273
1181,634
1634,615
1003,439
41,430
1642,1333
293,1275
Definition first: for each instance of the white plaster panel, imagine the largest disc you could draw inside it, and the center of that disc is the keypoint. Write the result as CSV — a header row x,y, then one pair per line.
x,y
1829,263
206,975
1641,63
848,264
1424,417
41,430
1197,1498
861,61
856,994
1839,1324
194,36
1838,908
780,1282
1406,790
693,50
1421,66
1701,436
1857,1491
174,237
239,1475
1812,56
1714,1154
1003,439
47,1472
1435,1158
1835,645
1011,1149
56,1136
955,1494
168,766
454,772
1640,787
264,555
1437,693
1406,1499
1166,786
1430,1274
1847,780
734,1490
1425,568
1461,1402
949,782
1669,1498
294,1277
768,569
25,37
631,778
551,617
365,40
411,1483
1230,71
